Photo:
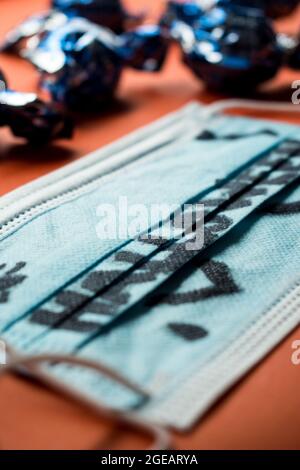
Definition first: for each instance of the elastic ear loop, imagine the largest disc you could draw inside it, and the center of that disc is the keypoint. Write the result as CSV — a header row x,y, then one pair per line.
x,y
29,365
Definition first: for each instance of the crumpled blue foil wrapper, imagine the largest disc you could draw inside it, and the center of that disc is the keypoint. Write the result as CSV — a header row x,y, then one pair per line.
x,y
236,53
31,118
81,63
271,8
108,13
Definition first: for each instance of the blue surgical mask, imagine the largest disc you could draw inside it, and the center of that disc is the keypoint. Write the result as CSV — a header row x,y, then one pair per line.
x,y
177,322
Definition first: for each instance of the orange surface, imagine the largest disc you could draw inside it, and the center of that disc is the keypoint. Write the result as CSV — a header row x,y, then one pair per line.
x,y
262,411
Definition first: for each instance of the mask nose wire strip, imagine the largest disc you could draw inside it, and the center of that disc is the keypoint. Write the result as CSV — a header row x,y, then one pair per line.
x,y
30,365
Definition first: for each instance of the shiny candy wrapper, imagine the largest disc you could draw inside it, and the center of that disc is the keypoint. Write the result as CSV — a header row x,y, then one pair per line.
x,y
232,47
271,8
81,63
191,11
290,46
188,16
188,12
28,34
31,118
237,55
144,48
108,13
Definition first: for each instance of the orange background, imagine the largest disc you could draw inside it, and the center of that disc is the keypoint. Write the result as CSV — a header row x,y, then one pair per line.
x,y
262,411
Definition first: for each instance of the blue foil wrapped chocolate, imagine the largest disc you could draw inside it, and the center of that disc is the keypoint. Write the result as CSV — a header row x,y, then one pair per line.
x,y
28,34
81,63
272,8
237,55
108,13
180,13
144,48
189,12
31,118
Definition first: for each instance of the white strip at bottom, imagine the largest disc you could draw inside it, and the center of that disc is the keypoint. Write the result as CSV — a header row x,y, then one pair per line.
x,y
191,399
